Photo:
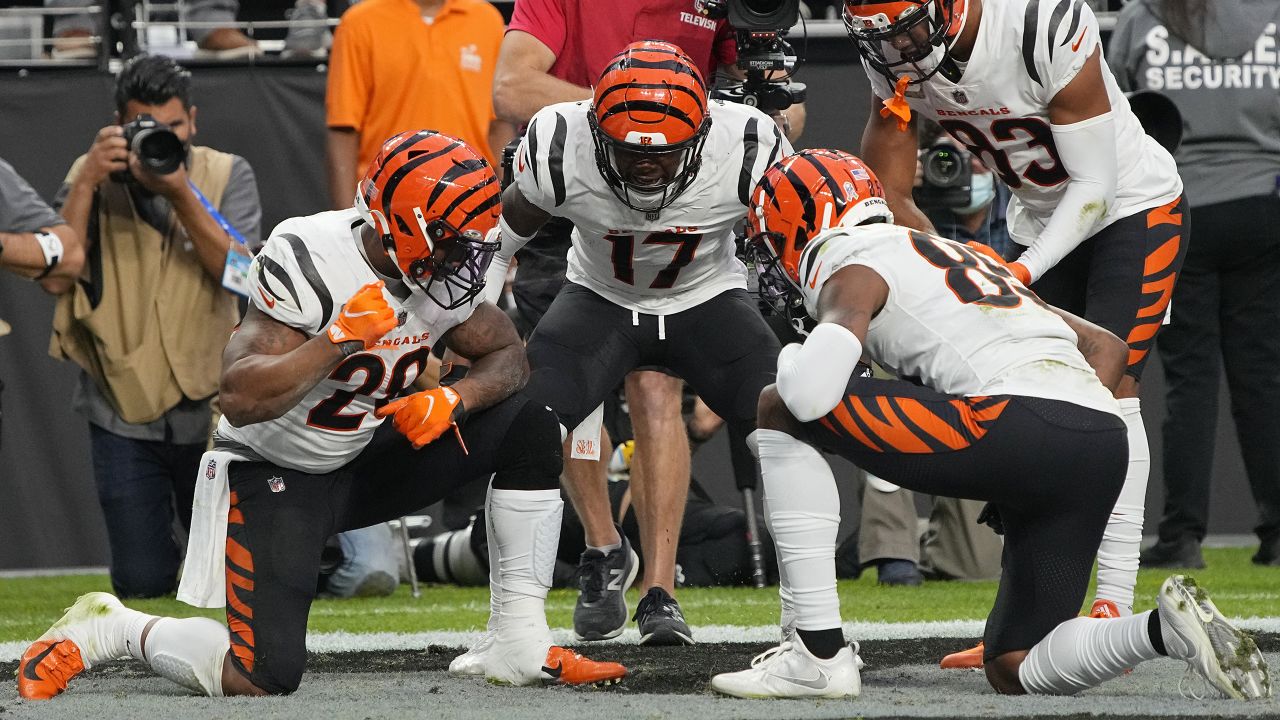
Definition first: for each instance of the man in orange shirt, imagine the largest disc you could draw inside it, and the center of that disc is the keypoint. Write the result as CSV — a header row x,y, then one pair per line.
x,y
404,64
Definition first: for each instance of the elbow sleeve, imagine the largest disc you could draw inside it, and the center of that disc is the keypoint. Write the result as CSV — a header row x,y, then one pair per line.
x,y
812,377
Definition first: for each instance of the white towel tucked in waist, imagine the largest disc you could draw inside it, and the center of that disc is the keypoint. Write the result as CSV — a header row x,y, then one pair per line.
x,y
204,582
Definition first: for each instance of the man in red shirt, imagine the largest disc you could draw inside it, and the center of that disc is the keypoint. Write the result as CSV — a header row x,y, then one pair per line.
x,y
553,51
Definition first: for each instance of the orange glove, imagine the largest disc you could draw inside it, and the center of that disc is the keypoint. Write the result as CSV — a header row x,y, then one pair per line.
x,y
1016,268
422,417
366,317
1021,272
988,252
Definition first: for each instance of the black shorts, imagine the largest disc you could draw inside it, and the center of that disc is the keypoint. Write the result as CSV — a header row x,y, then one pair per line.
x,y
280,518
1052,469
1122,277
586,345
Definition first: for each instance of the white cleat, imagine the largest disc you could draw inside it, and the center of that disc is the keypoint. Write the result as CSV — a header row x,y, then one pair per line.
x,y
790,671
473,661
96,624
1195,632
91,632
517,657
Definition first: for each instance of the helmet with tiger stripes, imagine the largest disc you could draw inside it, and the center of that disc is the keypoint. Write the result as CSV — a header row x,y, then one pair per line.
x,y
432,200
911,38
649,122
798,198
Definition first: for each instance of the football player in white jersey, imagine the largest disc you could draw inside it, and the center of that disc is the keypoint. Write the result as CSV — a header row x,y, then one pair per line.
x,y
344,307
654,178
1010,404
1096,202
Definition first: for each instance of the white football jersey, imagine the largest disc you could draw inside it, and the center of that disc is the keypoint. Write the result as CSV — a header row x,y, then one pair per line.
x,y
657,266
953,320
303,276
1025,53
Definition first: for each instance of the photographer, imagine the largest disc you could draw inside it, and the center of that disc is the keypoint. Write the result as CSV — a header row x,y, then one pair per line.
x,y
149,316
965,207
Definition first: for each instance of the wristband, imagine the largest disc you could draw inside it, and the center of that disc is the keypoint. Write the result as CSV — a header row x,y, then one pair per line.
x,y
51,246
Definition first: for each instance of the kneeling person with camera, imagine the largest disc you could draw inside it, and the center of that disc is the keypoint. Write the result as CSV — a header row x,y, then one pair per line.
x,y
150,314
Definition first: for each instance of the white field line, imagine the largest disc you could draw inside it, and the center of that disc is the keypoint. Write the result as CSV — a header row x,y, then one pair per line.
x,y
764,634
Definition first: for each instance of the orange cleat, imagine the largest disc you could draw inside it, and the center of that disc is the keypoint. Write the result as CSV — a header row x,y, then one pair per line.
x,y
46,668
1104,609
970,659
567,667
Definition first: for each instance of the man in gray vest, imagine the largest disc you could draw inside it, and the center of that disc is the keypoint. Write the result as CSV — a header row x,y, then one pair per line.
x,y
150,314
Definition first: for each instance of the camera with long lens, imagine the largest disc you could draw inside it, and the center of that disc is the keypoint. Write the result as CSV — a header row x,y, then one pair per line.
x,y
460,557
948,178
158,148
764,55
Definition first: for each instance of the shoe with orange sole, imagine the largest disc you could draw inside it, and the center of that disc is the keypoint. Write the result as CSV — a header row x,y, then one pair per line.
x,y
89,633
526,656
1104,609
567,667
971,659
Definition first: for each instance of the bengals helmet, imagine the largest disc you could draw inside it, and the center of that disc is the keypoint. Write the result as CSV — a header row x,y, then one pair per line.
x,y
906,37
432,200
797,198
650,106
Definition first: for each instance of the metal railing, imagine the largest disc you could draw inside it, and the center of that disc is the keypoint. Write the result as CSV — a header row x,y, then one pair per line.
x,y
125,27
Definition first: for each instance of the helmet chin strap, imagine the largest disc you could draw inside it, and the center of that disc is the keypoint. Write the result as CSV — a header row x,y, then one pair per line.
x,y
964,19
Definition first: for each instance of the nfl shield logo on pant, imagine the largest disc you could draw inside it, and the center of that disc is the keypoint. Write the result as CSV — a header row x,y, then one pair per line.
x,y
276,483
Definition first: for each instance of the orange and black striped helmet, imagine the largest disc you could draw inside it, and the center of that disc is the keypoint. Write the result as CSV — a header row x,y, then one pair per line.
x,y
433,200
906,37
799,197
651,102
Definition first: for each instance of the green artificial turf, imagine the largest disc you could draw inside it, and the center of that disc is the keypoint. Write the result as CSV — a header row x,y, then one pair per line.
x,y
29,605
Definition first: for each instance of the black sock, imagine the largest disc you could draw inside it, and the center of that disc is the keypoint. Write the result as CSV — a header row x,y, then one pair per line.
x,y
1153,632
823,644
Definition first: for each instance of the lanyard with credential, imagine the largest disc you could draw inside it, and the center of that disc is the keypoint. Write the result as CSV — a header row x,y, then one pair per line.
x,y
235,274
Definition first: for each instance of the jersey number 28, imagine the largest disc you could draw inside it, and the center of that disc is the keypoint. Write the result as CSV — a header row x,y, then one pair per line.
x,y
328,413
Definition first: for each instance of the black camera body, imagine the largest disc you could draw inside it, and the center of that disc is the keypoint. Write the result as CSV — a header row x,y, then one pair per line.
x,y
509,161
158,148
948,178
759,30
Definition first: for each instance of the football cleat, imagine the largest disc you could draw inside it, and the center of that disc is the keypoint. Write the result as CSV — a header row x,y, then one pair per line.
x,y
566,667
534,661
87,635
1104,609
46,668
660,621
791,671
603,579
970,659
472,662
1195,632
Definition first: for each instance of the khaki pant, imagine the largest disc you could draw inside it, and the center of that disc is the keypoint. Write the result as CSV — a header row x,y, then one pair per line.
x,y
956,547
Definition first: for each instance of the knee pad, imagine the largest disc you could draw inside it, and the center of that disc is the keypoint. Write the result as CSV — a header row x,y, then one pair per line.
x,y
190,652
531,457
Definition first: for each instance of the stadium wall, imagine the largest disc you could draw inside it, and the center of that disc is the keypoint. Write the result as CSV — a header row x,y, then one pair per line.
x,y
274,117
